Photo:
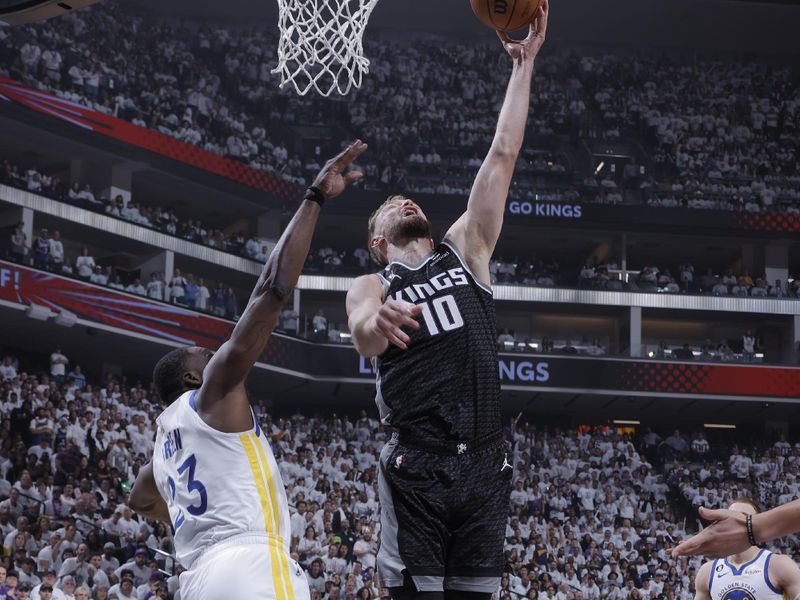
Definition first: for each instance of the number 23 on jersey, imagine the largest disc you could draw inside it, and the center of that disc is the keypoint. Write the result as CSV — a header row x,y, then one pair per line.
x,y
192,486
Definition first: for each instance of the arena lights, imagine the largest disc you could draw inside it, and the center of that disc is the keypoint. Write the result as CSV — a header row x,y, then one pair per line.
x,y
718,426
624,422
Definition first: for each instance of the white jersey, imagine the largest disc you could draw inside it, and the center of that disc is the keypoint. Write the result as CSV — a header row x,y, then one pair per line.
x,y
748,582
217,485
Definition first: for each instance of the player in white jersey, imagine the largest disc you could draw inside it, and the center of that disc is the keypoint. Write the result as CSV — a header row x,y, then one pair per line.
x,y
213,475
755,574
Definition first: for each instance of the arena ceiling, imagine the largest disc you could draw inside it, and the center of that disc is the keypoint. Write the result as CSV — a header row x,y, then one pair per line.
x,y
721,25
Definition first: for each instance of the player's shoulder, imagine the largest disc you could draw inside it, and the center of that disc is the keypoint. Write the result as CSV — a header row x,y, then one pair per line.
x,y
703,573
781,571
174,411
780,562
369,285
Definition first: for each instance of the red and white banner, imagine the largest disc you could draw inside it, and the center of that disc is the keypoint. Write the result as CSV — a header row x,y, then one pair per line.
x,y
131,313
101,123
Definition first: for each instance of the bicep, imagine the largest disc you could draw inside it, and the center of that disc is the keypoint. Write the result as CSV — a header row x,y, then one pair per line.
x,y
701,583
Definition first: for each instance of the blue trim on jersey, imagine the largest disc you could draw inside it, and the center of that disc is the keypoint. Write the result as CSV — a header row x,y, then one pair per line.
x,y
738,572
711,577
766,575
255,421
192,403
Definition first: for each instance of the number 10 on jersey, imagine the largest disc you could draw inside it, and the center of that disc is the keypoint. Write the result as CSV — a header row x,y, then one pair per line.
x,y
441,314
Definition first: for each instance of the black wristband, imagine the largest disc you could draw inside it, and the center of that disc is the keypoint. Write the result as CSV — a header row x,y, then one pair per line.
x,y
748,521
314,194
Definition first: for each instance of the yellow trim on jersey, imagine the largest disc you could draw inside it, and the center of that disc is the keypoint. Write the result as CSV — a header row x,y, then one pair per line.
x,y
258,475
276,515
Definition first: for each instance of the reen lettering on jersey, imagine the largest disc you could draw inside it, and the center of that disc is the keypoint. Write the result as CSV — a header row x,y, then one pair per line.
x,y
172,444
442,281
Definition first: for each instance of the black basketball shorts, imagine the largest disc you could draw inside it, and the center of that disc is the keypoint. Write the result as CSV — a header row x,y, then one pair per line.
x,y
444,509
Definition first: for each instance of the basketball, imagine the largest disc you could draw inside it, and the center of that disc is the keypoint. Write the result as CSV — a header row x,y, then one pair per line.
x,y
505,15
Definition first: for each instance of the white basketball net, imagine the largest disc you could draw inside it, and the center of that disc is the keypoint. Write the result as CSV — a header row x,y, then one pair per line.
x,y
320,45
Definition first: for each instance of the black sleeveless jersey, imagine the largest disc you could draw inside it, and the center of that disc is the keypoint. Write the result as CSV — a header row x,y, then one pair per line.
x,y
446,386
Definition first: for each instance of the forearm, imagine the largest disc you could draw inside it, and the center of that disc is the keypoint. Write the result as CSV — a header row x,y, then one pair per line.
x,y
283,267
514,113
155,510
367,339
364,303
777,522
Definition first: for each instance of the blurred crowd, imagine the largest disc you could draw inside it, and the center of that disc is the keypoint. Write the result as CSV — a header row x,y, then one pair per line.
x,y
605,274
155,217
47,252
714,133
593,512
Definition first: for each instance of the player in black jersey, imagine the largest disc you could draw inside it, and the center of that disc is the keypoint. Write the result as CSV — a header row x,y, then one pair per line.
x,y
428,323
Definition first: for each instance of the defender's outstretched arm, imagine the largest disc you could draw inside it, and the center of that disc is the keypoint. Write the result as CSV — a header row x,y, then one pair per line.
x,y
221,401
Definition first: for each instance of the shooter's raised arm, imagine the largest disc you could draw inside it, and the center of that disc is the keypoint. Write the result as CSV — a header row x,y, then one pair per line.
x,y
476,232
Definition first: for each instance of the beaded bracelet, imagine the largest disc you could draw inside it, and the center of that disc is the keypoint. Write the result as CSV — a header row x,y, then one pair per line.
x,y
748,521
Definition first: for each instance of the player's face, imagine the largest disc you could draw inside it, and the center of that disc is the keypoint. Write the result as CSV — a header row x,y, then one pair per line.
x,y
196,364
401,209
402,219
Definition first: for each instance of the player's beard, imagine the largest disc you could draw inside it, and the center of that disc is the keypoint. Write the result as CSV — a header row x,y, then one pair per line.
x,y
408,228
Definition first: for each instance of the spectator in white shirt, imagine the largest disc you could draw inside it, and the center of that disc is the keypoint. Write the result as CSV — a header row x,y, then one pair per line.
x,y
177,287
98,277
201,301
320,324
700,444
748,346
58,365
7,369
289,320
87,195
84,264
777,290
136,288
155,287
56,252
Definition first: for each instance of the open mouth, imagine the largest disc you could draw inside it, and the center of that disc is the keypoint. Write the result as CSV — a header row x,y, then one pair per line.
x,y
407,212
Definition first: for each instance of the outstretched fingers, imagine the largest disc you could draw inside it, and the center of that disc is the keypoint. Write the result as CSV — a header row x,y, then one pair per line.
x,y
349,154
687,548
352,177
540,21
